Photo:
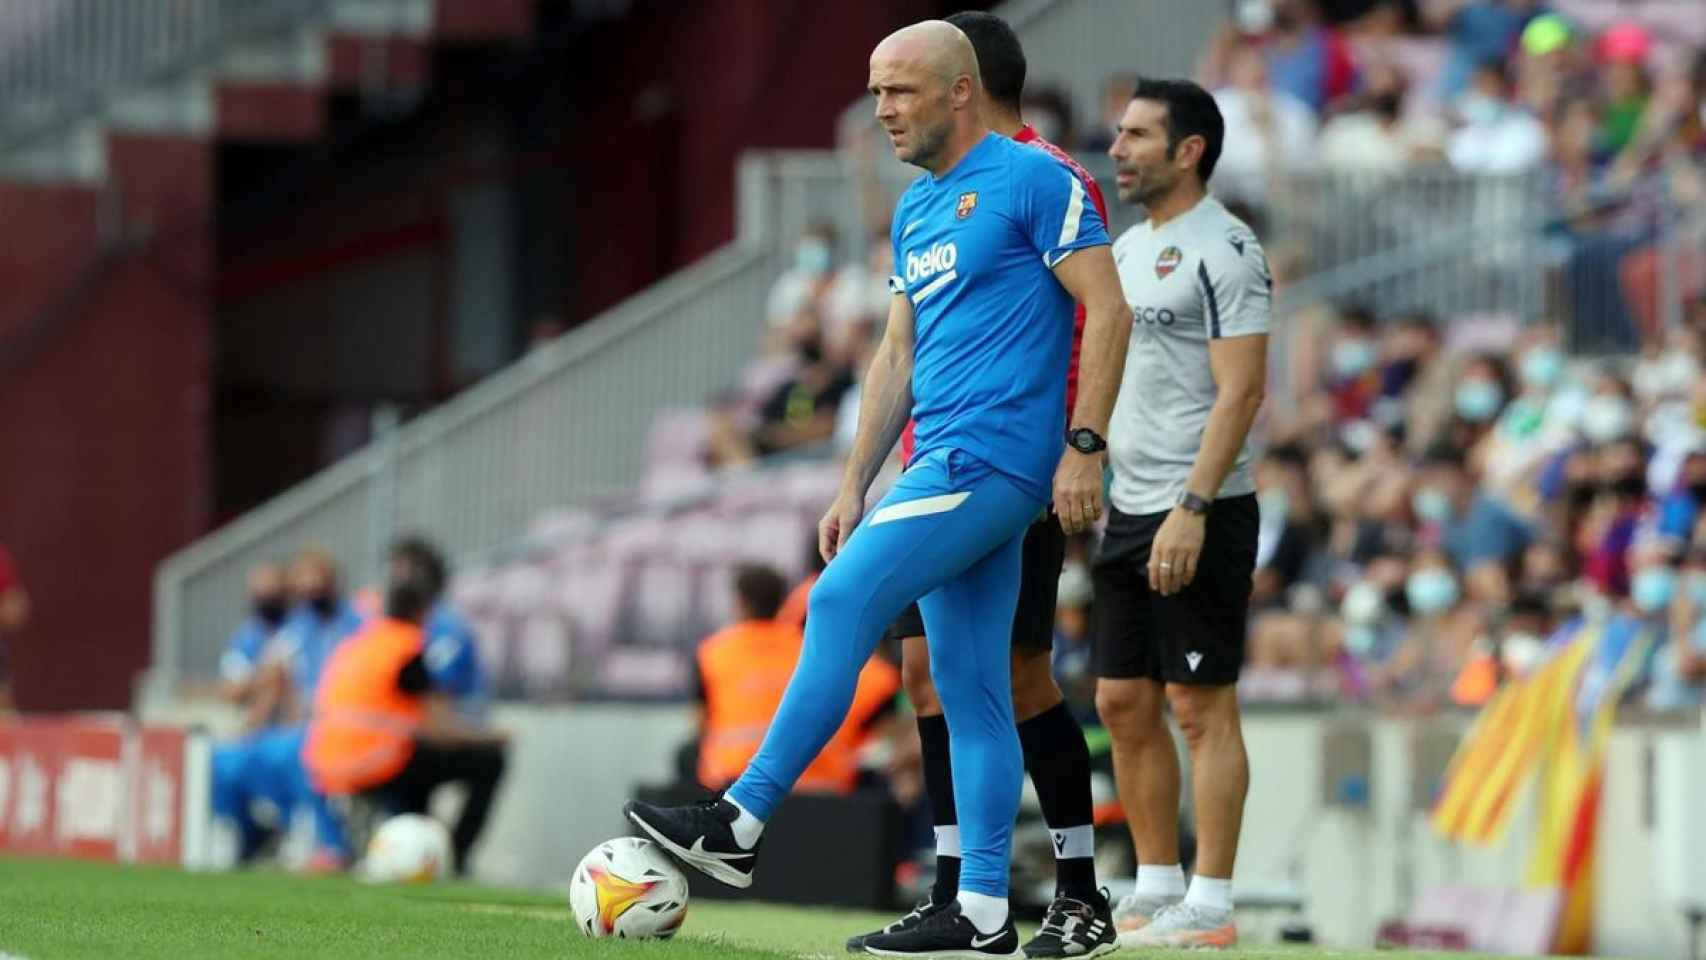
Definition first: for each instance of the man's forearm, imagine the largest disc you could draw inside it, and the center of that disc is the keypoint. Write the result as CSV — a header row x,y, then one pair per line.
x,y
1229,423
885,404
1101,365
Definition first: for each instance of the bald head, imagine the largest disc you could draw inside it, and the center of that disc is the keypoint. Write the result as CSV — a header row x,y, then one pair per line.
x,y
934,45
926,82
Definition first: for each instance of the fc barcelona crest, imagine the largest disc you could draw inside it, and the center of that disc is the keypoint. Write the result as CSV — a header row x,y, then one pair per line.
x,y
968,203
1167,262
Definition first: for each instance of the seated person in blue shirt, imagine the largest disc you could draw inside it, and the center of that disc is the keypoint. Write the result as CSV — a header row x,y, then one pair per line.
x,y
322,618
242,680
279,671
452,654
1475,528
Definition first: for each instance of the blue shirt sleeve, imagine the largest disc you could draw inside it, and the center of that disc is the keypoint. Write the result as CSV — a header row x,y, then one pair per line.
x,y
1056,211
1492,533
243,652
452,657
1676,515
897,285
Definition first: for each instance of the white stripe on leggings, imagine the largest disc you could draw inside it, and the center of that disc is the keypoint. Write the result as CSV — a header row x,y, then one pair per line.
x,y
922,507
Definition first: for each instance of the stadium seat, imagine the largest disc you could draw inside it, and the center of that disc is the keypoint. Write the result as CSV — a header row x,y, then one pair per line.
x,y
677,436
660,603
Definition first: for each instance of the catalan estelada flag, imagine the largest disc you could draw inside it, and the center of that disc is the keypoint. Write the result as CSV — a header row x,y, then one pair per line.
x,y
1556,722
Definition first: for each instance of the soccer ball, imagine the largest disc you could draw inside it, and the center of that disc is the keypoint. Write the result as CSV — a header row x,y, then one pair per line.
x,y
408,848
628,888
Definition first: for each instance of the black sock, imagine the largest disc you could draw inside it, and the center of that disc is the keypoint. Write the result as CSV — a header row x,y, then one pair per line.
x,y
1059,762
939,783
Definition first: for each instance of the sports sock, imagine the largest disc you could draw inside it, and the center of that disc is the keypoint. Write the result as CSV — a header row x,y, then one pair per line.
x,y
939,783
747,828
1059,761
1158,880
1214,893
985,912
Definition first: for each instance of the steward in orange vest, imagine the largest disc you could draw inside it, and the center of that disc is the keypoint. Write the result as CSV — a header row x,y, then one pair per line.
x,y
379,730
743,672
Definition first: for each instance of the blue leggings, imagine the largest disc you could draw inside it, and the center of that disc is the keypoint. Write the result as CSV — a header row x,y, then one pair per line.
x,y
949,536
268,766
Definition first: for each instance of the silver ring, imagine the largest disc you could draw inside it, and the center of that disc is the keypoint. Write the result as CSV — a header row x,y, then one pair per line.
x,y
1166,566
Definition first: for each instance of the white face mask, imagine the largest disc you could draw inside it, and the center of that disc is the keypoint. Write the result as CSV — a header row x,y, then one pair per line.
x,y
1521,651
1478,108
1606,418
1363,605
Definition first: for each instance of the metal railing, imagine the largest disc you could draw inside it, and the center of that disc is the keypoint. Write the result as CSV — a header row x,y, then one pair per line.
x,y
564,426
63,59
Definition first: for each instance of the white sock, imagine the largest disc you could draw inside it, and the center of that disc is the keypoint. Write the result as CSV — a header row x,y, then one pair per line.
x,y
985,912
747,827
1074,843
1157,880
948,840
1211,892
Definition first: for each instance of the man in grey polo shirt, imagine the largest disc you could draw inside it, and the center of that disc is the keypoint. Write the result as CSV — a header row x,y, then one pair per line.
x,y
1173,578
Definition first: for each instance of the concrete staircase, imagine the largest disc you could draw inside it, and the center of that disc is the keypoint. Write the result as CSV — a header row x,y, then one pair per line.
x,y
271,89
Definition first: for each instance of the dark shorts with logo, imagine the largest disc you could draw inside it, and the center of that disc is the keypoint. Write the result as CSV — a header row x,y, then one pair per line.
x,y
1194,637
1039,584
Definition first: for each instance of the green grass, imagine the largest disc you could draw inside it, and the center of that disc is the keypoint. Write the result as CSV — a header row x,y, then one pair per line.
x,y
57,910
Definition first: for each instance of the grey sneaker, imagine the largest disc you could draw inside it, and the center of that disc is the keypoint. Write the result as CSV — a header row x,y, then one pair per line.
x,y
1133,912
1186,925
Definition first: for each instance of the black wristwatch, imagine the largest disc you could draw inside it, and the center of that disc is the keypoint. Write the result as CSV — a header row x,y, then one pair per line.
x,y
1192,503
1085,440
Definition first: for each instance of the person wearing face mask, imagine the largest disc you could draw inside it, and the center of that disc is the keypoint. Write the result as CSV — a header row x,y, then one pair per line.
x,y
1442,631
1497,136
1478,397
807,277
1474,528
1529,430
1609,527
1679,669
261,768
1352,364
240,667
321,619
1376,136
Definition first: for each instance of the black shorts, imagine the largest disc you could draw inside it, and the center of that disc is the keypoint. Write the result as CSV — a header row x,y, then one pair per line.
x,y
1039,584
1193,637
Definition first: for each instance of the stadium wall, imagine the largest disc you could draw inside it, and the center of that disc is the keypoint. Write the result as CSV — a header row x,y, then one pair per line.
x,y
104,366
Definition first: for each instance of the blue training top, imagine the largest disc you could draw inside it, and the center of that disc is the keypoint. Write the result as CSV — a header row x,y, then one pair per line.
x,y
974,251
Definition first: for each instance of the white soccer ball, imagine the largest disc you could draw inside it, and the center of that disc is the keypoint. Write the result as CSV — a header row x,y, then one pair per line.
x,y
408,848
628,888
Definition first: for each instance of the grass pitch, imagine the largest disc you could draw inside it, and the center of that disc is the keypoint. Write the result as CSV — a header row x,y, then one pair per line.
x,y
57,910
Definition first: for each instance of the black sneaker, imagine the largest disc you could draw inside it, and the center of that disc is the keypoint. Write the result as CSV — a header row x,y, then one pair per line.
x,y
1075,928
946,933
925,909
699,836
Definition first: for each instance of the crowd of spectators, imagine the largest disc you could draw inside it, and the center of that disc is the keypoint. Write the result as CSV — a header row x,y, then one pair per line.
x,y
1433,515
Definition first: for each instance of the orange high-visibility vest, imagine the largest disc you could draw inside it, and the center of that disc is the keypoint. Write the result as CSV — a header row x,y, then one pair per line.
x,y
745,669
836,769
363,730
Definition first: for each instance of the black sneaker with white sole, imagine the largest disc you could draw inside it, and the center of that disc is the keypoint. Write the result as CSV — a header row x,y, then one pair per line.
x,y
701,836
946,933
925,909
1075,928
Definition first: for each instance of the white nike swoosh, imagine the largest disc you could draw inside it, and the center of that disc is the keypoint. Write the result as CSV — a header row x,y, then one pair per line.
x,y
980,942
698,850
914,225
